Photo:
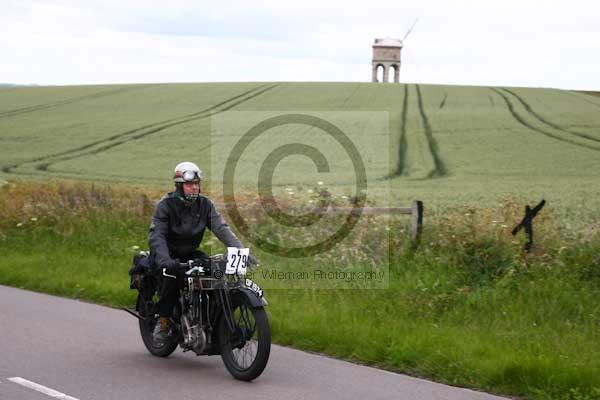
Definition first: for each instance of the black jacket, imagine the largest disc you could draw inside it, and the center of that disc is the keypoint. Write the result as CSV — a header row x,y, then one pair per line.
x,y
177,228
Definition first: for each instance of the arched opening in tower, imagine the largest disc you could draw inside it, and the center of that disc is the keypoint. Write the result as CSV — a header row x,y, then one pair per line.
x,y
380,72
394,74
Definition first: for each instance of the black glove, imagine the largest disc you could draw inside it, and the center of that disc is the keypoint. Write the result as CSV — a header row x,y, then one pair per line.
x,y
172,266
252,261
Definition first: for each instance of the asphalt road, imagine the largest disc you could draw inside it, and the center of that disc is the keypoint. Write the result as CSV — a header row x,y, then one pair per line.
x,y
85,351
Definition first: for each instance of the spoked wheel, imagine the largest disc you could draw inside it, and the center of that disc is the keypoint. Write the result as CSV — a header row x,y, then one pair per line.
x,y
145,307
245,352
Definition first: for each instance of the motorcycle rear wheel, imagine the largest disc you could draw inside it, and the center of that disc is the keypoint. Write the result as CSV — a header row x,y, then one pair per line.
x,y
145,308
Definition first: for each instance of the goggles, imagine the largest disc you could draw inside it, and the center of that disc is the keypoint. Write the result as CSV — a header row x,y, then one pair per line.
x,y
187,176
190,176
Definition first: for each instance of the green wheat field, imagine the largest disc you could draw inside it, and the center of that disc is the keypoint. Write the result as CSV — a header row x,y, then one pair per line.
x,y
444,145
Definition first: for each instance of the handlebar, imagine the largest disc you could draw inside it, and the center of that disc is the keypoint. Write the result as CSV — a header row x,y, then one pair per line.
x,y
205,265
187,265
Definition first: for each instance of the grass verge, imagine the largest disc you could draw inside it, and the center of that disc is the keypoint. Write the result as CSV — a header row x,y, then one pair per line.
x,y
467,308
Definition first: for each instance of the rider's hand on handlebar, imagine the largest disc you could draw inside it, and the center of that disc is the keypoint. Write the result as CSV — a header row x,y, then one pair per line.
x,y
172,265
252,261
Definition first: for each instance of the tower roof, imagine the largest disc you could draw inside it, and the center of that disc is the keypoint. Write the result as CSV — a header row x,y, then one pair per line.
x,y
387,42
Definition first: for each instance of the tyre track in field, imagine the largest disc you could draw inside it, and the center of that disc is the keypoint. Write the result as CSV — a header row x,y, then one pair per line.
x,y
19,111
439,167
403,146
526,124
400,167
140,132
547,122
358,85
120,140
443,103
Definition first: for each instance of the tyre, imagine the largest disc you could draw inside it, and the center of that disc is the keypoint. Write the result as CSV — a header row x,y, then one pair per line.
x,y
145,307
246,351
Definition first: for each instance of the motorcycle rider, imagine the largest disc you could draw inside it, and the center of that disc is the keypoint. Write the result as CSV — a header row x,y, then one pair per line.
x,y
177,228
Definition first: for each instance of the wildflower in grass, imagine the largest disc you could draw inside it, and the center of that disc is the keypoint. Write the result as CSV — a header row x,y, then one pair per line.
x,y
320,183
310,191
20,224
562,248
33,219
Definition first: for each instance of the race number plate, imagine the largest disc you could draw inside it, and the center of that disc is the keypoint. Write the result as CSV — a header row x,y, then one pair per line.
x,y
236,260
254,287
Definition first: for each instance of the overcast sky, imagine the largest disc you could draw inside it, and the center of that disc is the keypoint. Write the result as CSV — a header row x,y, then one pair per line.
x,y
504,42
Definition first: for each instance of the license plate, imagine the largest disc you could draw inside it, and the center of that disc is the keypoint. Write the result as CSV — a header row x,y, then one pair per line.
x,y
254,287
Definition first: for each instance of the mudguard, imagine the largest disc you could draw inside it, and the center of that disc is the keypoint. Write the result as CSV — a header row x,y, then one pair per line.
x,y
253,298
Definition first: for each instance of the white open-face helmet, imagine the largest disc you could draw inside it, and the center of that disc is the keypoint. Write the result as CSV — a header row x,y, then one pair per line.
x,y
187,172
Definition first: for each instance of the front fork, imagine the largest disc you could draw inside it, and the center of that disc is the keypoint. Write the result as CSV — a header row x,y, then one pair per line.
x,y
227,310
239,334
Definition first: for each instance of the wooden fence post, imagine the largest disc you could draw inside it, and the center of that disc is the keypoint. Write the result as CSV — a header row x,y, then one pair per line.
x,y
417,220
527,223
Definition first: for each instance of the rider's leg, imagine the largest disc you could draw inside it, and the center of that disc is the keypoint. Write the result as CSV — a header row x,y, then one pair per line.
x,y
168,299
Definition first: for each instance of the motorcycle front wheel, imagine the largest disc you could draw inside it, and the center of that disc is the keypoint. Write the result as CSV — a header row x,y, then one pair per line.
x,y
245,352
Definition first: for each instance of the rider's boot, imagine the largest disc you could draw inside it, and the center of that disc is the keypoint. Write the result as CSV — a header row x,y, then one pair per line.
x,y
161,332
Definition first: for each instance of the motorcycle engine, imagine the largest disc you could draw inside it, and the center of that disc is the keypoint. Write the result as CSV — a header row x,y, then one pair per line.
x,y
193,335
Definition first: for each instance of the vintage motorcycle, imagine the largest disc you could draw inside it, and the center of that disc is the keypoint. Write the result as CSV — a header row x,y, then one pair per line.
x,y
219,312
